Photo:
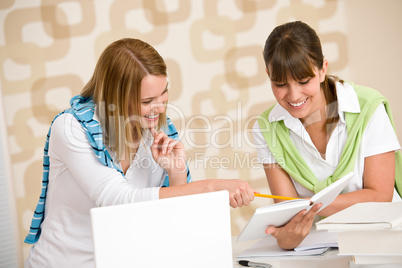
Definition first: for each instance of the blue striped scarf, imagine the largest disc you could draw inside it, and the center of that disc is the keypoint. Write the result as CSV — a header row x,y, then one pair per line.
x,y
83,110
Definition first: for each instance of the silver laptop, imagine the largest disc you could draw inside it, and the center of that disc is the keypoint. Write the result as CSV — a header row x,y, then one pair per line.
x,y
188,231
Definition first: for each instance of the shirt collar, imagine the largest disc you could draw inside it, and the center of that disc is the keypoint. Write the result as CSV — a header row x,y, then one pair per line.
x,y
347,102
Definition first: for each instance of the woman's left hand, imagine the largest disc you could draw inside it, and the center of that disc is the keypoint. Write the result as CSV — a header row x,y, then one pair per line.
x,y
293,233
168,153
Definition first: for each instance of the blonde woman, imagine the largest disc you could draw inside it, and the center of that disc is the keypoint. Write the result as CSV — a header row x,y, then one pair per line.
x,y
115,145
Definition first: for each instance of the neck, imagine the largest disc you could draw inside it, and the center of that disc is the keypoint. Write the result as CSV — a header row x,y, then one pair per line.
x,y
316,120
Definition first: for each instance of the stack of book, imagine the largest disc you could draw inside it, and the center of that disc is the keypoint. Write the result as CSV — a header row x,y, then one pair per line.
x,y
370,232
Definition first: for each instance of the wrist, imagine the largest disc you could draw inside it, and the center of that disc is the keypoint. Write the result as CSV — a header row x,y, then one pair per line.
x,y
177,177
177,170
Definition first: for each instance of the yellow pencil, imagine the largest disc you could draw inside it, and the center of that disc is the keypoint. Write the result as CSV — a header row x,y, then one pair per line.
x,y
275,196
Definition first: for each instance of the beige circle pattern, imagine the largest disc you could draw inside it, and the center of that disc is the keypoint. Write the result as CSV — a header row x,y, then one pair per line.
x,y
218,84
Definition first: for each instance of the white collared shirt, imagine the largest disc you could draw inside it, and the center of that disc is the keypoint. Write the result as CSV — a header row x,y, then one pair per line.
x,y
379,137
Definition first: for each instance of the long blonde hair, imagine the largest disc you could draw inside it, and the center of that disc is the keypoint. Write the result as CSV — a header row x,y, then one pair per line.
x,y
115,87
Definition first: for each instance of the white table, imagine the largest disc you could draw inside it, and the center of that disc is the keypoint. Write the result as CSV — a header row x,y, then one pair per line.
x,y
330,259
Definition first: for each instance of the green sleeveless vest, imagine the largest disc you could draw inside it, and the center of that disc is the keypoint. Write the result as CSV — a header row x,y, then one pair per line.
x,y
276,135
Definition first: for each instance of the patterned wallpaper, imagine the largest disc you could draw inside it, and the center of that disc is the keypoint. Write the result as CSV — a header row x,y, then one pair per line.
x,y
218,84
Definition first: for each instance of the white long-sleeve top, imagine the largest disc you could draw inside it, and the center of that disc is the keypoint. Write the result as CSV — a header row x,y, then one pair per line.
x,y
79,182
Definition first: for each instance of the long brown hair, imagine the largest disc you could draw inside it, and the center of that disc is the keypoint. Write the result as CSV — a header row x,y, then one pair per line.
x,y
116,91
293,50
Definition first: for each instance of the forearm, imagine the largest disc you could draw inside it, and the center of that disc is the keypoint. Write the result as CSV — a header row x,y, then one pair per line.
x,y
348,199
378,184
240,193
196,187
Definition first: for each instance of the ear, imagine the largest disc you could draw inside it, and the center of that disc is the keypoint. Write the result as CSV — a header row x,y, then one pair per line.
x,y
266,70
323,71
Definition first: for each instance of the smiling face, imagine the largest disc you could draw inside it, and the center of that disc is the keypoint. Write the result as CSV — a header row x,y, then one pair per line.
x,y
301,98
154,97
297,70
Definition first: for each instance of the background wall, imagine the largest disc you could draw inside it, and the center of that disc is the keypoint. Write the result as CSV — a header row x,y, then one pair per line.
x,y
48,50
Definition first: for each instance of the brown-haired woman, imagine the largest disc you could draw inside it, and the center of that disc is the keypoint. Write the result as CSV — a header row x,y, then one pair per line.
x,y
321,129
115,145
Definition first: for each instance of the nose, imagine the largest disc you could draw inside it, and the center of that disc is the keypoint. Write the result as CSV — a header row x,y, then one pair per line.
x,y
293,93
158,107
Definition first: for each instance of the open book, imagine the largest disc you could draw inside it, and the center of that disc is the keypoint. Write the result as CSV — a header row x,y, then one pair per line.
x,y
280,213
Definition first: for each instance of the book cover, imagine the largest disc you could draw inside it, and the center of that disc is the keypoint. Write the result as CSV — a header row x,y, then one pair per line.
x,y
364,216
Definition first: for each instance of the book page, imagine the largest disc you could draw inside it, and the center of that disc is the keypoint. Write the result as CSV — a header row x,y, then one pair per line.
x,y
280,205
281,213
327,195
276,215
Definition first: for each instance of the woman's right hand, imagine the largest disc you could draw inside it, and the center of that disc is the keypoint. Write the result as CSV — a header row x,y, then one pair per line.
x,y
168,153
240,192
